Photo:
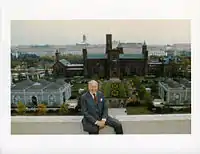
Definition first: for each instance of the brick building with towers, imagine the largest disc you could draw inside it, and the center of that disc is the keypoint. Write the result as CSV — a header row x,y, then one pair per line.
x,y
113,62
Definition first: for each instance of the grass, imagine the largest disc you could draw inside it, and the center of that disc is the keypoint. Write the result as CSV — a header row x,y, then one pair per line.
x,y
138,110
107,89
77,86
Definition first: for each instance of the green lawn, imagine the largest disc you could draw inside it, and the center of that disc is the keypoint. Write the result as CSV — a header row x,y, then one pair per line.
x,y
137,110
76,87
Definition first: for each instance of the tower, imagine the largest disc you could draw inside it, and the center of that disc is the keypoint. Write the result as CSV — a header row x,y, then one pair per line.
x,y
144,48
57,55
84,39
85,67
145,53
113,70
108,42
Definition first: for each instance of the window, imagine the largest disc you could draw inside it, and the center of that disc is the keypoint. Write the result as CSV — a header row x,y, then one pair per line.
x,y
165,96
34,100
64,99
16,99
51,100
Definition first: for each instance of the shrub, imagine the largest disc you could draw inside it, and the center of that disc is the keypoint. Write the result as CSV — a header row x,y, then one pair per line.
x,y
147,99
64,109
115,93
42,109
142,92
132,101
21,108
136,82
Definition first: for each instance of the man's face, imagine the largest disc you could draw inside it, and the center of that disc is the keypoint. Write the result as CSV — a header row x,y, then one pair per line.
x,y
93,88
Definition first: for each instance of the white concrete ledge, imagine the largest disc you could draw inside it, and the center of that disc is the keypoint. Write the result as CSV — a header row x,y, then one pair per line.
x,y
120,118
132,124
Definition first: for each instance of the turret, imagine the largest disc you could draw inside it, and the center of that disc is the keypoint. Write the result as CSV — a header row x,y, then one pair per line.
x,y
144,50
57,55
108,42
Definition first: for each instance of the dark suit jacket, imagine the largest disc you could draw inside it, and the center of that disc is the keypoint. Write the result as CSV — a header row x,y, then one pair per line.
x,y
88,108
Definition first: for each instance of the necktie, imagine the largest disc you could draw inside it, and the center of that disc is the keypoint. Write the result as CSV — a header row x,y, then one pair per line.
x,y
95,98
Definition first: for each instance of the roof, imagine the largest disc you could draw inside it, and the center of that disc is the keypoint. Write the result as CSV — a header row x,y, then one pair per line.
x,y
135,50
131,56
154,63
74,69
121,56
44,85
64,62
73,65
171,83
38,85
96,56
22,85
185,82
52,86
60,81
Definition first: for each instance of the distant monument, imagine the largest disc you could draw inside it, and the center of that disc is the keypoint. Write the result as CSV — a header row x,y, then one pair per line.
x,y
84,42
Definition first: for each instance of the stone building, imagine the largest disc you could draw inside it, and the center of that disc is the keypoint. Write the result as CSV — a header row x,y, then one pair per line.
x,y
175,92
32,93
110,62
65,69
115,62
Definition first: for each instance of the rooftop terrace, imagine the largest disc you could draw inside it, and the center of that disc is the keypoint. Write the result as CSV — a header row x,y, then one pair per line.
x,y
139,124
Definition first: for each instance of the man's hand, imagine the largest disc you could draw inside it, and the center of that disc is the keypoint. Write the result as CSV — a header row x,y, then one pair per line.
x,y
101,124
104,122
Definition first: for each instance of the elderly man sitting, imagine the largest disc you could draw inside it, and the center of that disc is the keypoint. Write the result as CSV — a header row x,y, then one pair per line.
x,y
95,111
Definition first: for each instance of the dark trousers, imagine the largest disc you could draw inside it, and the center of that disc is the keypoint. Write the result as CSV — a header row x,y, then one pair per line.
x,y
112,122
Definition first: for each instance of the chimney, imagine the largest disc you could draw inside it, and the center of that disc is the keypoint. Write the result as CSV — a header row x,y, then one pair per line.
x,y
108,42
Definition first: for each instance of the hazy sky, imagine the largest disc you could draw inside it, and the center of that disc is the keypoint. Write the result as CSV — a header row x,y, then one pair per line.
x,y
70,31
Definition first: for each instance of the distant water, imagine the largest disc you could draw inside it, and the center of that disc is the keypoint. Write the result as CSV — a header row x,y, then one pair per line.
x,y
77,50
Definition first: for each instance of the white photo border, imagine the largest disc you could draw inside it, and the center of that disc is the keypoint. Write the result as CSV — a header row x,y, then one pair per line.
x,y
89,9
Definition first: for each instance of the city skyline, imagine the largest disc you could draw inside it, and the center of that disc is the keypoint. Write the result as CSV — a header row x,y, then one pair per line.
x,y
63,32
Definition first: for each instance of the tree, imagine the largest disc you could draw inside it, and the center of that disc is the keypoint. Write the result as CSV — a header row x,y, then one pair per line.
x,y
136,82
153,87
142,92
15,63
185,64
147,98
173,68
47,58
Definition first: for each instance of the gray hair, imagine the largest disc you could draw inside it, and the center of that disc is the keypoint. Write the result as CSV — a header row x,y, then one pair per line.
x,y
93,82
